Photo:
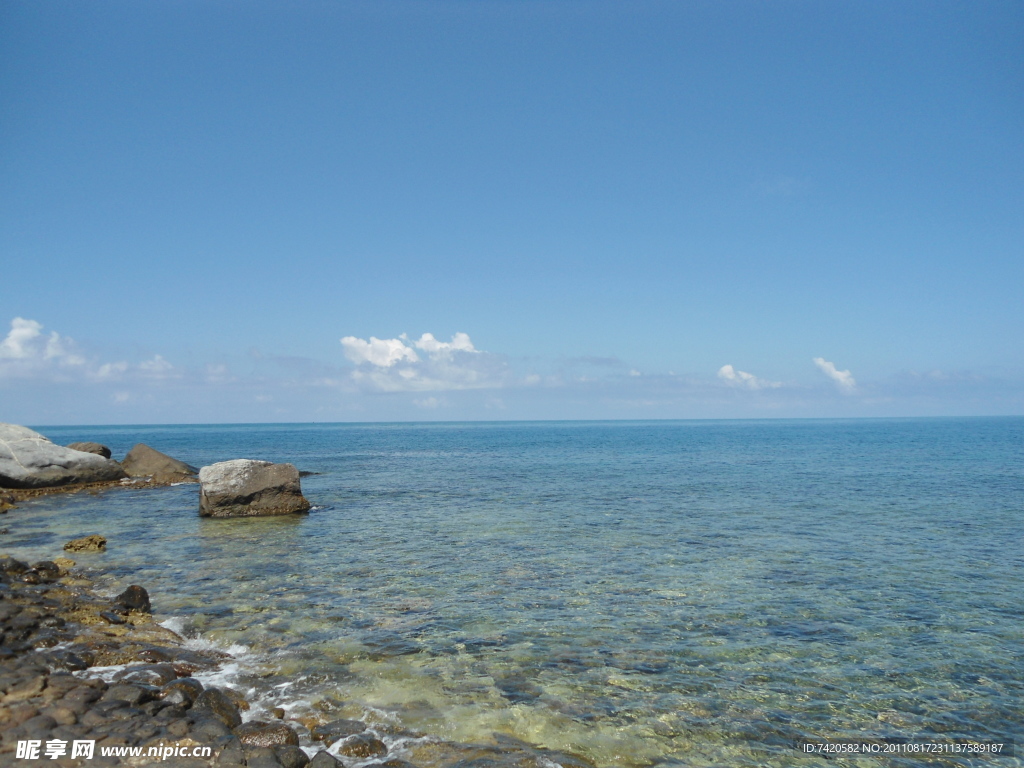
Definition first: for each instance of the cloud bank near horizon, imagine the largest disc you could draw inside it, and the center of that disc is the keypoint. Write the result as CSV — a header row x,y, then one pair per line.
x,y
745,380
28,353
405,378
393,365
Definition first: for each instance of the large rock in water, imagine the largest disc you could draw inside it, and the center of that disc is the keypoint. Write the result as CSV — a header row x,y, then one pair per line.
x,y
97,448
29,460
249,488
143,461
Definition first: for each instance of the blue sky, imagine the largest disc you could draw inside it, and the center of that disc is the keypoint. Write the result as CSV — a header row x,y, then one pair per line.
x,y
632,210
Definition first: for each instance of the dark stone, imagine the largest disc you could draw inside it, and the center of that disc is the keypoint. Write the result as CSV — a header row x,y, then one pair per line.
x,y
184,690
336,729
132,694
363,745
111,617
143,461
135,598
290,756
207,728
47,567
231,754
149,674
260,734
324,759
262,757
97,448
155,655
67,660
12,567
220,705
85,694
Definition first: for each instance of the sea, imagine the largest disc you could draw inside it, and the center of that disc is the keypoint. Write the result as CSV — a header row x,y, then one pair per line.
x,y
664,593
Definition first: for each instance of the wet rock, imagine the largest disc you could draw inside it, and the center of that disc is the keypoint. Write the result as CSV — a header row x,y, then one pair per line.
x,y
87,447
155,655
237,698
291,756
363,745
91,543
12,567
64,564
207,728
143,461
215,701
336,729
29,460
135,598
183,691
65,659
248,488
392,763
130,694
149,674
24,689
262,757
48,569
231,754
324,759
112,618
278,712
257,733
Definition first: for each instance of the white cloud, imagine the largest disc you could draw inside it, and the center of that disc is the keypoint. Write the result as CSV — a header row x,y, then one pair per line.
x,y
111,370
460,342
26,352
25,342
19,342
157,367
383,353
746,380
843,379
392,365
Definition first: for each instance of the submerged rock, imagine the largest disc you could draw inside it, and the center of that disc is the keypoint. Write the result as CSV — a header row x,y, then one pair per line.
x,y
363,745
29,460
97,448
143,461
337,730
248,488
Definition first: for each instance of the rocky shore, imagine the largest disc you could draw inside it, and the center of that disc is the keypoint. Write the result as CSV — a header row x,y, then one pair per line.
x,y
59,639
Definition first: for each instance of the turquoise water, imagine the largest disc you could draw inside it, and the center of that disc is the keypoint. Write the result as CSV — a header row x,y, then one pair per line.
x,y
669,593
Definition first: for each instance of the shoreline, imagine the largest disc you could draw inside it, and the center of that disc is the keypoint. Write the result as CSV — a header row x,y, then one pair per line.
x,y
76,666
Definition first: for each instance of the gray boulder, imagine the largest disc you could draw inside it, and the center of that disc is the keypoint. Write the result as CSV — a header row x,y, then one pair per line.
x,y
97,448
249,488
143,461
29,460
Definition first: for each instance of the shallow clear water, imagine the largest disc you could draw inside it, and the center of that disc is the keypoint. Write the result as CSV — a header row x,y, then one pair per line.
x,y
675,593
